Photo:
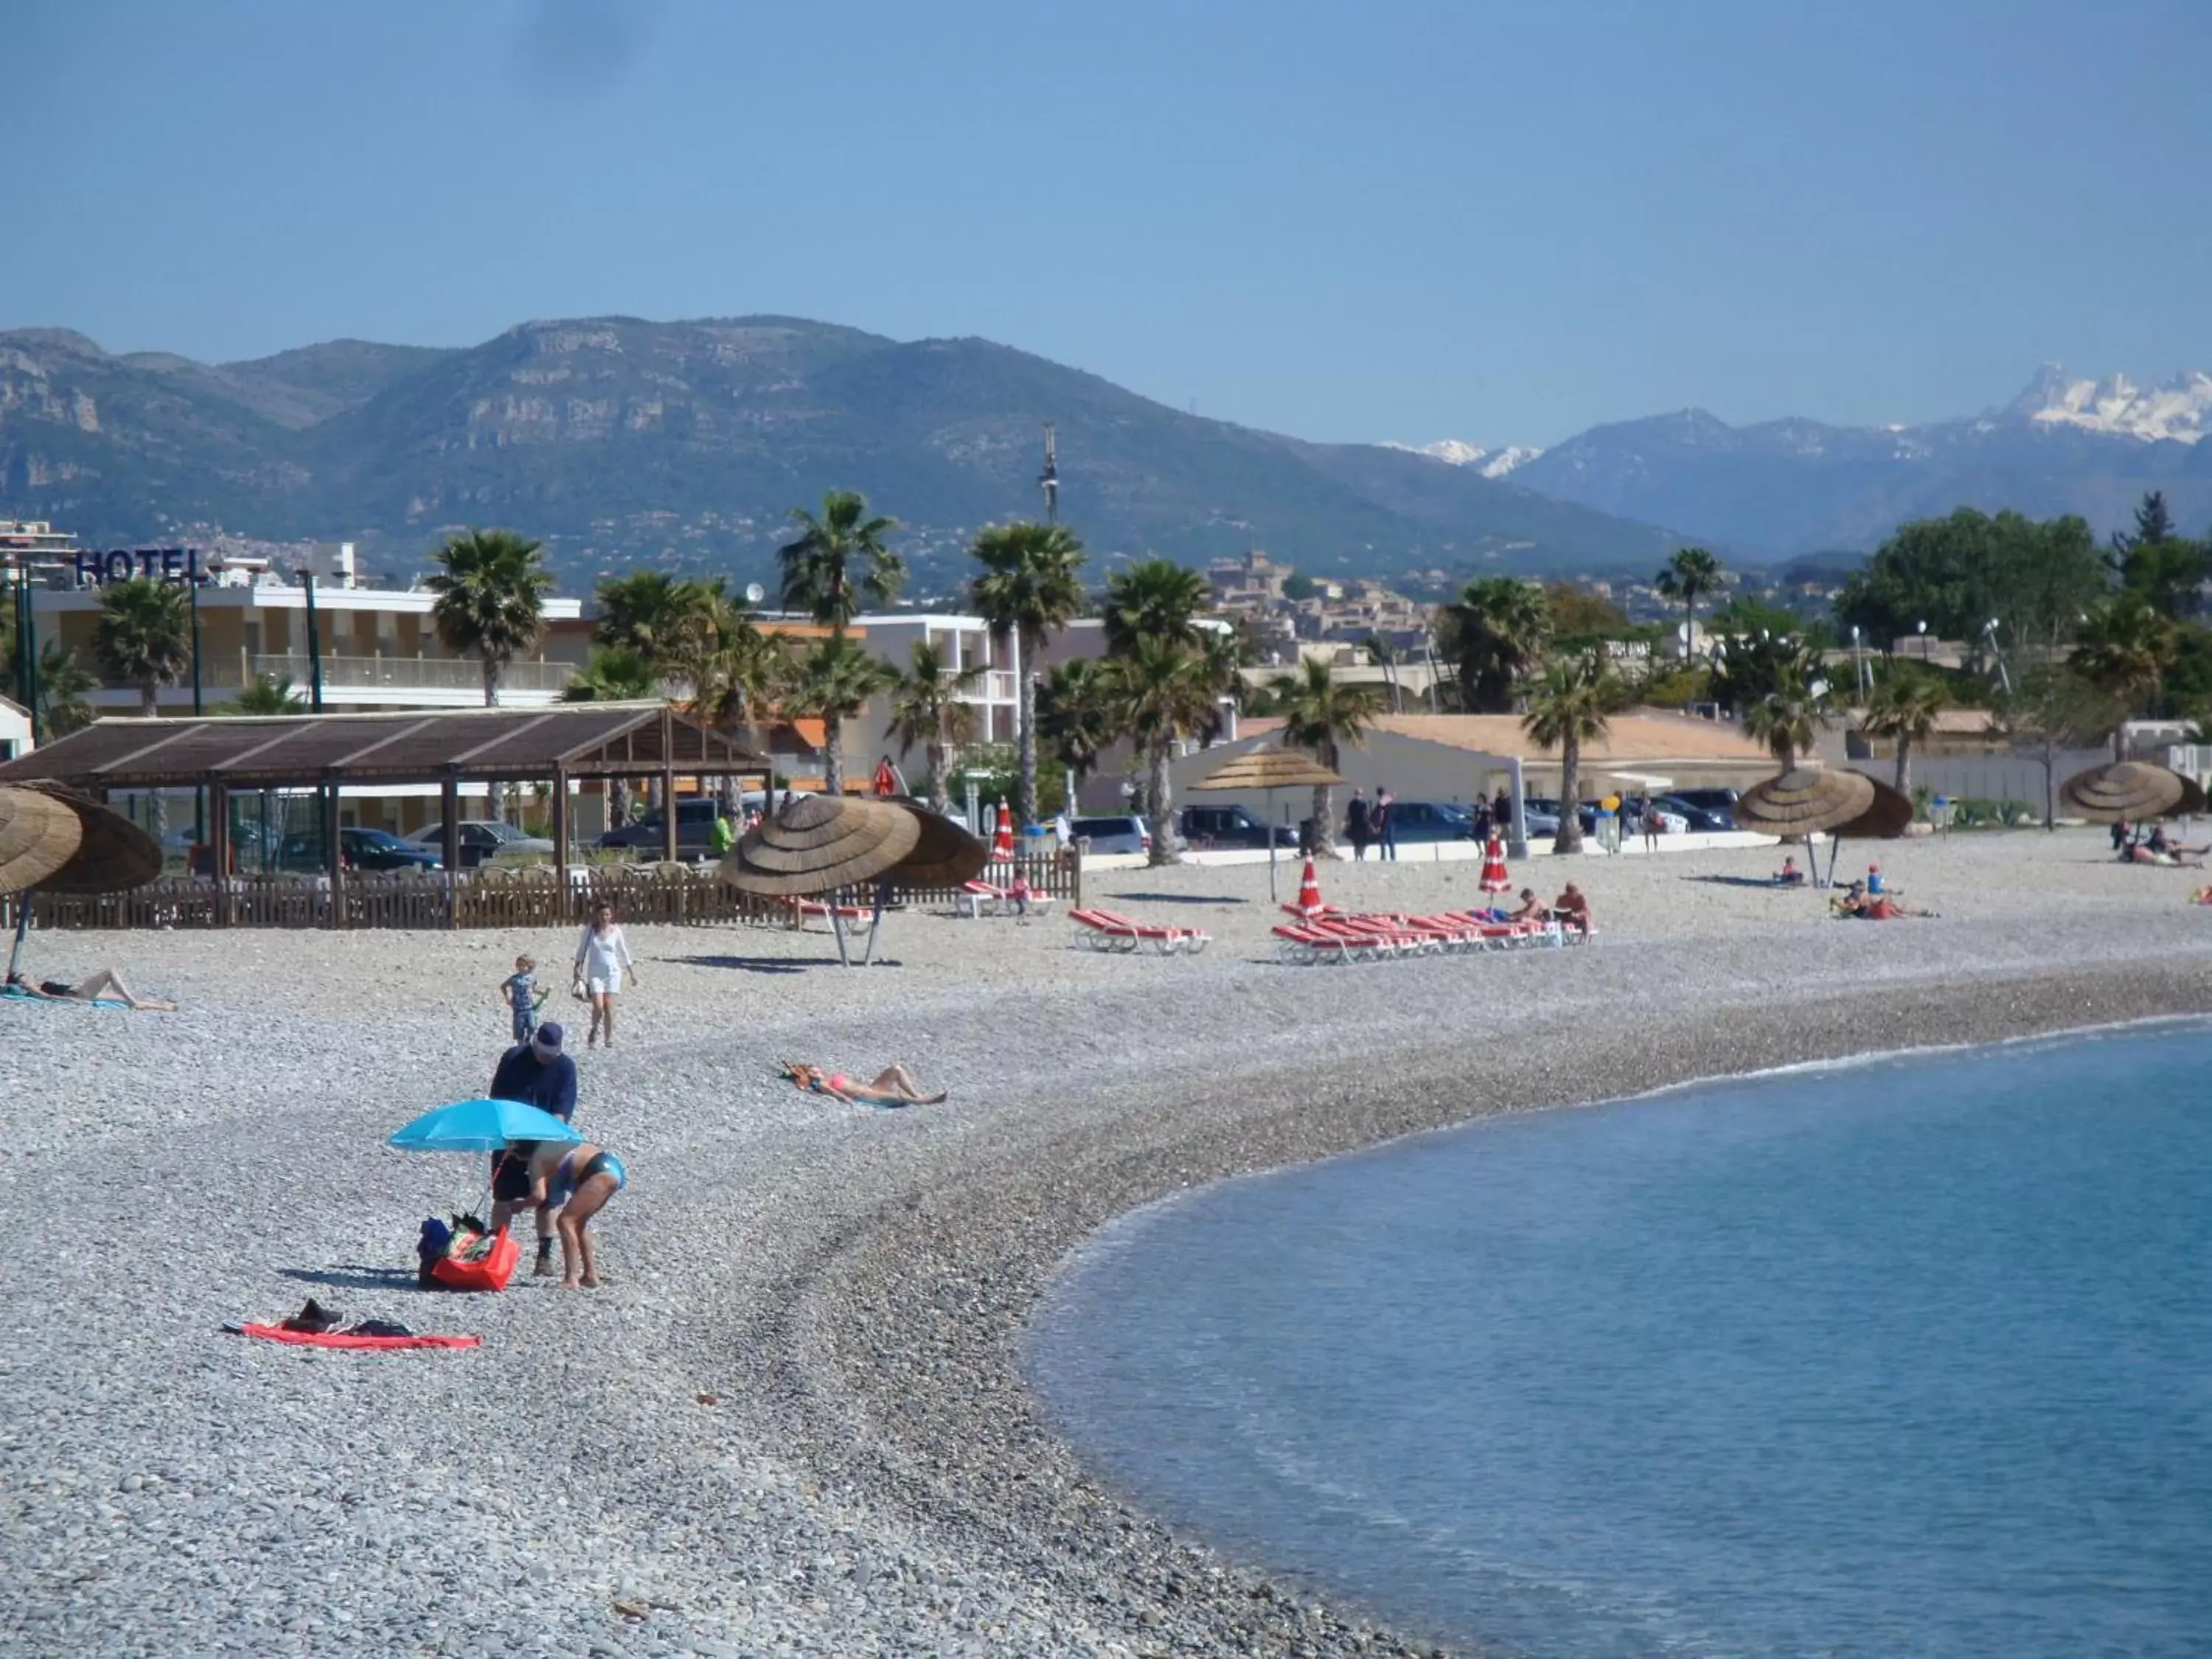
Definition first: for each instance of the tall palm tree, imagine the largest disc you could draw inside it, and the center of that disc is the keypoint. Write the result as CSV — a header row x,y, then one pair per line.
x,y
1494,636
831,682
1153,599
931,710
1689,576
270,693
616,673
65,689
838,560
1076,715
732,670
1029,586
144,636
2124,649
1788,716
491,586
1319,714
1569,706
1905,706
1387,656
1163,692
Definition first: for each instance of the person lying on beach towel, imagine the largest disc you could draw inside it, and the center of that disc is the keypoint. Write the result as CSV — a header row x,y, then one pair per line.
x,y
105,987
894,1087
1859,905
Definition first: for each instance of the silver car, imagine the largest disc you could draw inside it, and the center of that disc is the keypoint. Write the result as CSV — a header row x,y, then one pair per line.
x,y
1121,833
482,840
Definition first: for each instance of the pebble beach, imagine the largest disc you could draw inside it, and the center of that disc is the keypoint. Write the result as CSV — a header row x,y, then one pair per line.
x,y
795,1420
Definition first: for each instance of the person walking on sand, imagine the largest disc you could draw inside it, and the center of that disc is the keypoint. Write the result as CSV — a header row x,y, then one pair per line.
x,y
1650,814
602,958
519,992
1358,825
1386,830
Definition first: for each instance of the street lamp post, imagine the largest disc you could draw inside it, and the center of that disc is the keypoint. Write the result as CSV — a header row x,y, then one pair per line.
x,y
1924,645
200,707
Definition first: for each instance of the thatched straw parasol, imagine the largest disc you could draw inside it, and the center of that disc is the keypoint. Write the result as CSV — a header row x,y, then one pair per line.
x,y
60,843
1269,770
819,844
38,836
2130,789
1811,799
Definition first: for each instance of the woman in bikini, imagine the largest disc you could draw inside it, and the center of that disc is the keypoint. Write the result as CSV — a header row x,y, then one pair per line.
x,y
105,986
575,1181
894,1087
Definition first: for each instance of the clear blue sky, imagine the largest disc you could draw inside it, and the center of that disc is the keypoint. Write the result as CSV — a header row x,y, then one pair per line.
x,y
1353,220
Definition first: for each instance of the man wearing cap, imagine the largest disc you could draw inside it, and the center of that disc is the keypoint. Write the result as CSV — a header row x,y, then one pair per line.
x,y
539,1074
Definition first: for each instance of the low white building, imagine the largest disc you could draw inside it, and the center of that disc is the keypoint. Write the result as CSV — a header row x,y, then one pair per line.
x,y
14,730
965,643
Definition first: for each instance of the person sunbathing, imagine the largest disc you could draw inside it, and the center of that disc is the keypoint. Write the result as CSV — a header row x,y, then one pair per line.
x,y
894,1087
1859,905
1532,907
1788,875
1573,908
105,986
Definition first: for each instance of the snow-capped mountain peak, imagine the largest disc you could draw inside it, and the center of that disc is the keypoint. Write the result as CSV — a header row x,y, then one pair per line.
x,y
1491,463
2180,409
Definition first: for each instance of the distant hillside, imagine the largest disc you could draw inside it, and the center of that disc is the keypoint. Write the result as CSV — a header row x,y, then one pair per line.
x,y
622,442
1784,488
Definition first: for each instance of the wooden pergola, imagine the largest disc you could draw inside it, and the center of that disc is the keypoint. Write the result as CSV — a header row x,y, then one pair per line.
x,y
325,752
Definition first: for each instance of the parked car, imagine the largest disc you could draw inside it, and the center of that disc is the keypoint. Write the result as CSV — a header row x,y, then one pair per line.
x,y
695,828
1708,800
1121,833
1702,819
1548,809
362,849
481,839
1430,820
1230,826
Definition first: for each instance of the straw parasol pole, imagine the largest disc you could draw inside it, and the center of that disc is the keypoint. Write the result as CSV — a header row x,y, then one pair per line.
x,y
1268,769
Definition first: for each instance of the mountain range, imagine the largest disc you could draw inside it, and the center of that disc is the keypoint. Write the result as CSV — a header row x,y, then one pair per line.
x,y
1785,489
620,442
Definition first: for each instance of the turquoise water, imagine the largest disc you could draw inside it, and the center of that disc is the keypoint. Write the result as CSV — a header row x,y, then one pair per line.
x,y
1907,1357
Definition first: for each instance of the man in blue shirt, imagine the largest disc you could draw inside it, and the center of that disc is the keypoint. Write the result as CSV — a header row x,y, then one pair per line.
x,y
538,1074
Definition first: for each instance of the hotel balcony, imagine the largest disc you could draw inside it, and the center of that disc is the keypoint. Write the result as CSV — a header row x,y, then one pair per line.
x,y
359,683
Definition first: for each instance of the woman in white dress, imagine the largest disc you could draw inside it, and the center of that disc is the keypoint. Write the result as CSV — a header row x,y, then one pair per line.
x,y
602,958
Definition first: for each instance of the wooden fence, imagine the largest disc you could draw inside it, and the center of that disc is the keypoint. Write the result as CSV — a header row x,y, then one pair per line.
x,y
679,895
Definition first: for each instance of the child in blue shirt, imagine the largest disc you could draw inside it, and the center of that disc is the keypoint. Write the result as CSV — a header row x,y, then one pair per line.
x,y
519,990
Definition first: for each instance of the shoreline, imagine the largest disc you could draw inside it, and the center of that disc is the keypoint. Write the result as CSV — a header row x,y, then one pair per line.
x,y
1008,1240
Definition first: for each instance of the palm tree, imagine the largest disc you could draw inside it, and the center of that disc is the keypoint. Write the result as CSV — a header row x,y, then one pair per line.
x,y
650,614
1077,716
1028,588
1387,656
1162,692
730,668
616,673
491,586
1154,599
1788,716
2124,649
839,559
931,710
831,683
1319,714
1569,707
65,689
1689,575
1494,636
144,636
1906,705
270,693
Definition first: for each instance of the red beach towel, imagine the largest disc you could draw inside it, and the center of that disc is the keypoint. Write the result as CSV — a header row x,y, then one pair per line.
x,y
340,1339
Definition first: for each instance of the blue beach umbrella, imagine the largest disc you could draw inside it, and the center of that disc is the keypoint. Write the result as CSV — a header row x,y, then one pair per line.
x,y
479,1125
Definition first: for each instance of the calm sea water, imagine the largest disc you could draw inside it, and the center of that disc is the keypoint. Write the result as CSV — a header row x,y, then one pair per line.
x,y
1912,1358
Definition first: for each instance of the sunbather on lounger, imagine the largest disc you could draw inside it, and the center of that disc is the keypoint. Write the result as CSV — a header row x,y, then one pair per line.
x,y
894,1087
1532,907
105,986
1573,910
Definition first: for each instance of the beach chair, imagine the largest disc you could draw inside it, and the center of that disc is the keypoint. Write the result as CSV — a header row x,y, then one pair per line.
x,y
1305,945
1109,930
806,910
982,899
